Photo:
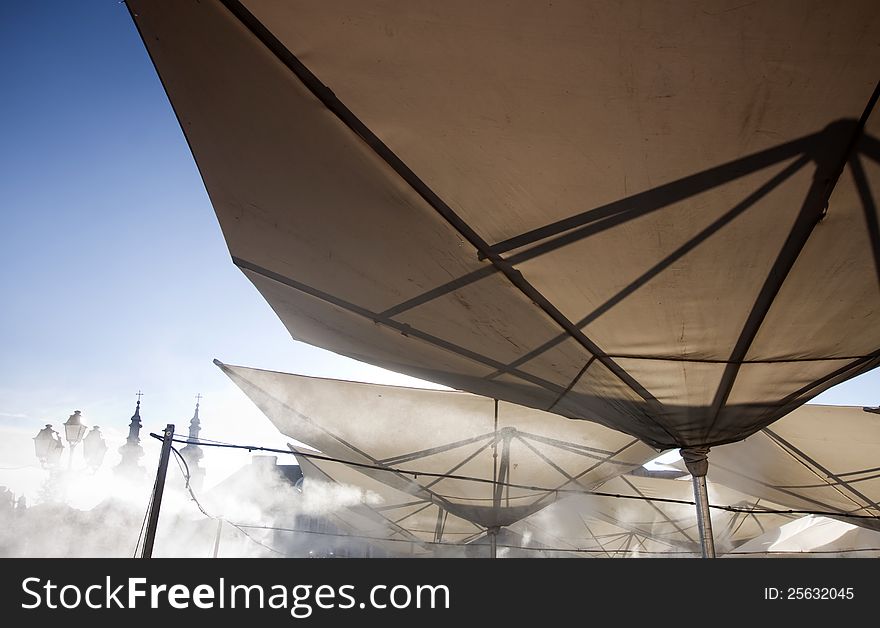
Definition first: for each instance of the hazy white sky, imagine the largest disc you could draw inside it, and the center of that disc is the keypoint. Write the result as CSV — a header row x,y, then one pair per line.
x,y
115,276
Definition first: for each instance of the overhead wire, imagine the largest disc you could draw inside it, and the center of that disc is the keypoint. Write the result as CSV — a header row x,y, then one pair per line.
x,y
546,549
146,514
184,469
187,477
554,490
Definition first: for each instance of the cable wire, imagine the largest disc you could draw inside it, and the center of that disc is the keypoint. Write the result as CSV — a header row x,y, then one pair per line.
x,y
184,469
186,476
416,474
576,550
146,514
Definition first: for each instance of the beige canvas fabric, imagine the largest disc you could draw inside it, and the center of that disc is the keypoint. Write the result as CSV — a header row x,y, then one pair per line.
x,y
813,537
652,526
657,216
818,458
487,463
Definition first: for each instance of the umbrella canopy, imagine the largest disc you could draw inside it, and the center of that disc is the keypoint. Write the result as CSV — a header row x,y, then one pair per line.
x,y
396,521
814,537
487,462
403,524
657,216
820,458
668,527
568,525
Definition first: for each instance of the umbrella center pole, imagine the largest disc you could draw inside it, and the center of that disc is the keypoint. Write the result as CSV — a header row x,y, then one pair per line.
x,y
493,536
697,461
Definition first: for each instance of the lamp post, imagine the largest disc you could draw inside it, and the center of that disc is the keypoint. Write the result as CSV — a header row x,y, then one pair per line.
x,y
74,431
94,448
48,446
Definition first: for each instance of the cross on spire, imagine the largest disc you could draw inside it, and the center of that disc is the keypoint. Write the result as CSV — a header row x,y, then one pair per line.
x,y
198,398
139,395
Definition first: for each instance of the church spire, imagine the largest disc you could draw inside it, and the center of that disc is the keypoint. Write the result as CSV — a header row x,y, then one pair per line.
x,y
194,425
192,453
132,451
134,428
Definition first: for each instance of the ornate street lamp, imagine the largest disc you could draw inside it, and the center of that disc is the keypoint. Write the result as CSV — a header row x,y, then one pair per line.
x,y
94,448
48,446
74,431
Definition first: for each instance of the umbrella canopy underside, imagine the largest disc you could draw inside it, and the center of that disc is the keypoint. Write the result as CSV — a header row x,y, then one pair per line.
x,y
657,216
490,463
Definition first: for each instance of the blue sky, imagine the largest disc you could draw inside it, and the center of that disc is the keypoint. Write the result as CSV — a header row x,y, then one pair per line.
x,y
115,276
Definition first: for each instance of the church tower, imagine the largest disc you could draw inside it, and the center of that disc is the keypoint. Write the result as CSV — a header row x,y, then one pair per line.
x,y
192,453
132,451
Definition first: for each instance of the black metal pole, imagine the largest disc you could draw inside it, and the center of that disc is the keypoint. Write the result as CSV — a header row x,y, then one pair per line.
x,y
158,489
